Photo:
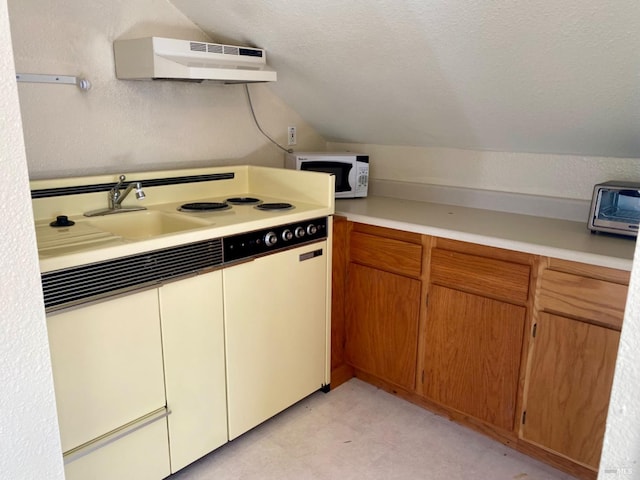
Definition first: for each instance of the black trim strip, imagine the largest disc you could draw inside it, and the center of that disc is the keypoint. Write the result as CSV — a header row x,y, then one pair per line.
x,y
153,182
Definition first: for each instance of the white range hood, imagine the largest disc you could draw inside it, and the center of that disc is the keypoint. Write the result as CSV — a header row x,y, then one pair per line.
x,y
157,58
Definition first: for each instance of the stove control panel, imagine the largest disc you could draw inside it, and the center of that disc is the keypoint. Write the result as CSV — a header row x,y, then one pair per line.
x,y
270,240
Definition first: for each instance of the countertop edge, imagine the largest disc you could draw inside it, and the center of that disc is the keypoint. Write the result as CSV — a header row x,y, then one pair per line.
x,y
492,241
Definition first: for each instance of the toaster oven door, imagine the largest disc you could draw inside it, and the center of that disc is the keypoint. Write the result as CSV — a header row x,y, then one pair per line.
x,y
617,210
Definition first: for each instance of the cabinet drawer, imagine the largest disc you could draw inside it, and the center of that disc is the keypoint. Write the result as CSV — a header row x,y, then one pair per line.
x,y
480,275
582,297
386,254
143,455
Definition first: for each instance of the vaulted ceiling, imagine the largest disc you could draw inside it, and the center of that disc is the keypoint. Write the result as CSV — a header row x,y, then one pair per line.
x,y
523,76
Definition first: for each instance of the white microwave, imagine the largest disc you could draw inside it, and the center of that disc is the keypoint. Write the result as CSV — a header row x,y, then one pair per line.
x,y
350,169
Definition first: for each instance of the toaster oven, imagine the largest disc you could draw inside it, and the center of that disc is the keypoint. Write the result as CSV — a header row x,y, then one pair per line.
x,y
615,208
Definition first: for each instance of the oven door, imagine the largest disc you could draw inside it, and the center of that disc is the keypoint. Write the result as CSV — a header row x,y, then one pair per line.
x,y
276,333
617,210
343,171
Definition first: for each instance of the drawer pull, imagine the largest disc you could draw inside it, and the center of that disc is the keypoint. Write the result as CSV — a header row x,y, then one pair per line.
x,y
110,437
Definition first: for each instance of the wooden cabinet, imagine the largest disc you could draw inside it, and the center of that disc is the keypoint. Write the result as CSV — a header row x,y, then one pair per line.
x,y
473,332
383,324
591,299
574,343
569,387
194,366
472,359
383,303
340,370
520,347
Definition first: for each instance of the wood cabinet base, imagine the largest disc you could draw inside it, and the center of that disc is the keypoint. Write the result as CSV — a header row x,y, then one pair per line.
x,y
341,374
505,437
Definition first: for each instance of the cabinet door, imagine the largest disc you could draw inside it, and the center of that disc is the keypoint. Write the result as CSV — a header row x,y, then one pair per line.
x,y
472,354
569,386
193,342
107,365
382,324
277,333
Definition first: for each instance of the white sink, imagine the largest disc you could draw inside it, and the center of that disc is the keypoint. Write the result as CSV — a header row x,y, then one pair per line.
x,y
145,224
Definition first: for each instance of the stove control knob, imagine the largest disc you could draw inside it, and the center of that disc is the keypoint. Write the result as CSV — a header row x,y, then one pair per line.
x,y
270,239
287,235
312,229
299,231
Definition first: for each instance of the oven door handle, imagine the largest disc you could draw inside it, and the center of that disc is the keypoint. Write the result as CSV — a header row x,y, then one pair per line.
x,y
310,255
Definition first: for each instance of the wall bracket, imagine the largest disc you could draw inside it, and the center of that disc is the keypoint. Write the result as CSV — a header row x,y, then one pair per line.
x,y
82,83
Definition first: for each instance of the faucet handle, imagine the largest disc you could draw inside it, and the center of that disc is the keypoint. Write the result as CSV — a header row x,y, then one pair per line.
x,y
114,193
118,185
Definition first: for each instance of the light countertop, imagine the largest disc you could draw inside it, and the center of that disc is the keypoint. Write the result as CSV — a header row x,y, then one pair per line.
x,y
562,239
98,238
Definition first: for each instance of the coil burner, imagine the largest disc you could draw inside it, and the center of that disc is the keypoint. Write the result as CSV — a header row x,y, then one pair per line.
x,y
275,206
204,207
243,200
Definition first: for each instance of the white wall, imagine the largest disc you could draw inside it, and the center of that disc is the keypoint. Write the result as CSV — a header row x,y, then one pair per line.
x,y
29,437
621,450
565,176
121,126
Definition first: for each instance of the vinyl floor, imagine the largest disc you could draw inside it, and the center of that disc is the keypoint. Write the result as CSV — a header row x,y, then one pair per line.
x,y
358,431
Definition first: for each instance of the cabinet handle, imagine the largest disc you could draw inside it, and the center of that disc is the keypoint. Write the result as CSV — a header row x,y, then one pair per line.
x,y
110,437
310,255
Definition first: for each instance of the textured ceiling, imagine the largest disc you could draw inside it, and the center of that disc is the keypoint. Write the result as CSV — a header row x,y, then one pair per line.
x,y
542,76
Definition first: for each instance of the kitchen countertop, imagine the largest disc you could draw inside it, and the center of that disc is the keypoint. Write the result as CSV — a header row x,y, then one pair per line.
x,y
526,233
91,239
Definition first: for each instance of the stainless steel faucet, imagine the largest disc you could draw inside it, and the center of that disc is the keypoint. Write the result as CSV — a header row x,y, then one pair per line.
x,y
117,195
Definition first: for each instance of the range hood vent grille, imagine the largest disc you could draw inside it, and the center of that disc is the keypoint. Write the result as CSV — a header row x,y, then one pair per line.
x,y
73,286
170,59
198,47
